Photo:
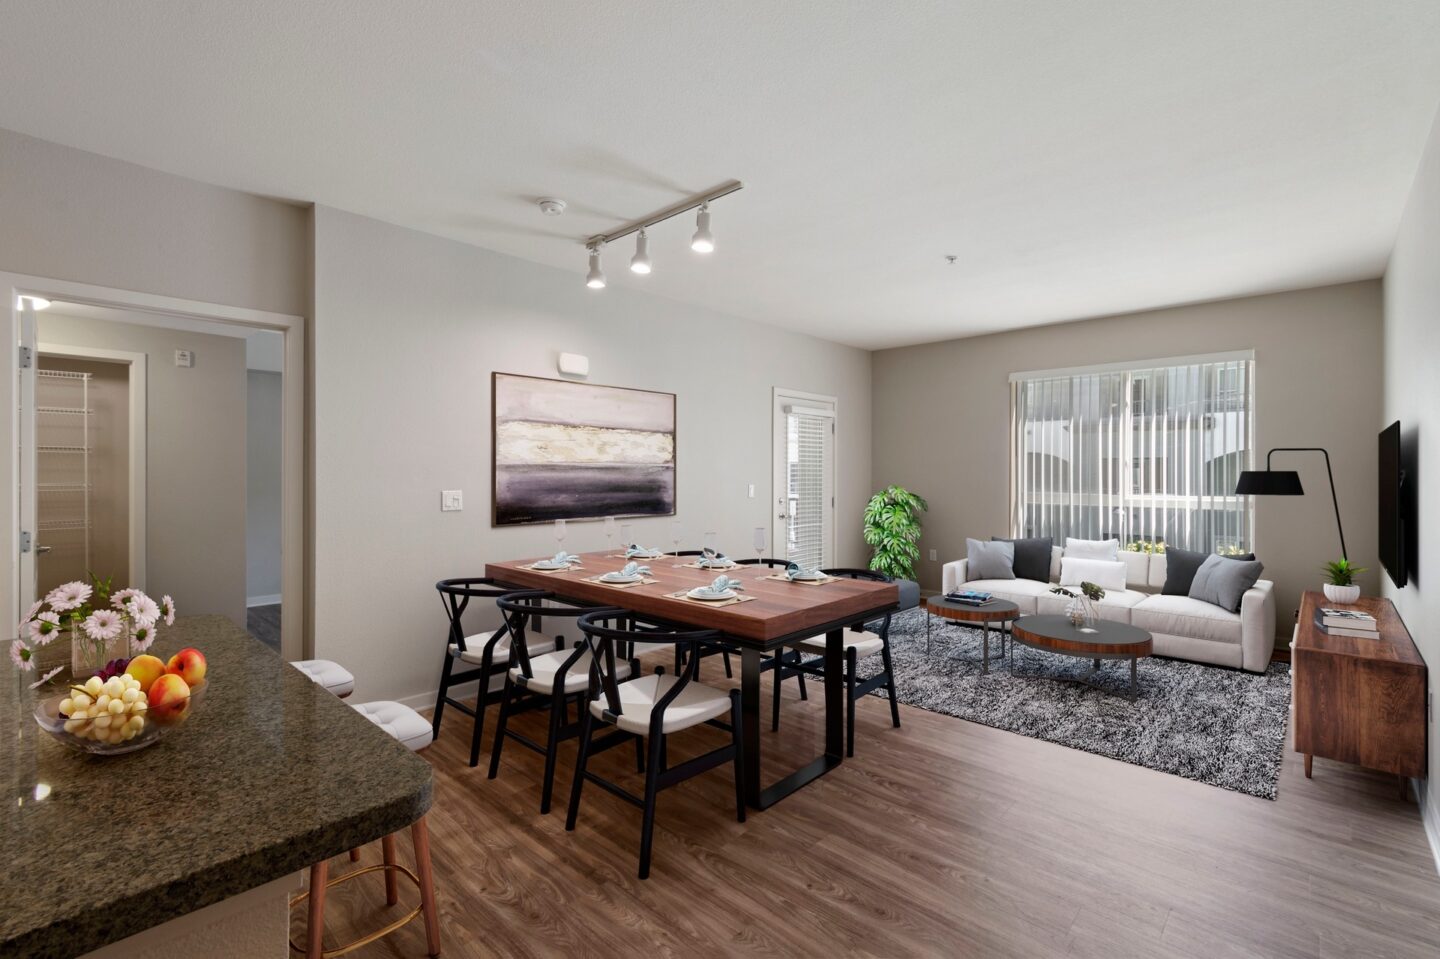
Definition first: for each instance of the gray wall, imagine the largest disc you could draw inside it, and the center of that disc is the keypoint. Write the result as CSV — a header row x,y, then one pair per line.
x,y
195,458
408,328
1412,396
262,484
941,416
70,215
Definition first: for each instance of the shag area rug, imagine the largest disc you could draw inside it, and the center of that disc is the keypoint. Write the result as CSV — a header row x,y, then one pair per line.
x,y
1224,727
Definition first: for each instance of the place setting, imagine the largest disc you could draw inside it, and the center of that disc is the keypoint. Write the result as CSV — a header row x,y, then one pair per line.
x,y
722,591
628,576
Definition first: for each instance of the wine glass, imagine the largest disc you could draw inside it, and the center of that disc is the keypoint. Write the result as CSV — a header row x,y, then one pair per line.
x,y
709,540
758,541
675,535
609,534
560,533
625,541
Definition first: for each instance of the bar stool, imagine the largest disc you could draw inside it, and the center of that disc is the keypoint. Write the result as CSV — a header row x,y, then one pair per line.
x,y
413,731
335,679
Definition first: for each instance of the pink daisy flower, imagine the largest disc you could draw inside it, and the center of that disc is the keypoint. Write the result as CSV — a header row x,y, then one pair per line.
x,y
68,596
167,606
22,656
118,598
47,677
142,609
141,639
103,625
43,628
33,610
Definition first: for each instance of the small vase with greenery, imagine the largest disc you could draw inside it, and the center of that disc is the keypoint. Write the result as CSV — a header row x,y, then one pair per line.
x,y
1340,585
892,527
1081,609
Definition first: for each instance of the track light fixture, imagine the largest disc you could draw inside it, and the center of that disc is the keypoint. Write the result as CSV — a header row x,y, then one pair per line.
x,y
702,241
640,262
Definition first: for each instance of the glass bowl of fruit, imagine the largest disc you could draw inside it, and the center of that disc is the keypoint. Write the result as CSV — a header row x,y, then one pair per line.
x,y
129,705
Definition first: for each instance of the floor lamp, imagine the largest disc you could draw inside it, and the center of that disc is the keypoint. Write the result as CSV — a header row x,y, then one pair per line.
x,y
1272,482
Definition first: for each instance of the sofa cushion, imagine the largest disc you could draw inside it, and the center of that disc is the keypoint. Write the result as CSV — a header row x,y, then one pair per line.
x,y
1103,573
1137,567
1183,616
1181,565
1116,605
992,560
909,593
1224,581
1091,548
1032,556
1021,592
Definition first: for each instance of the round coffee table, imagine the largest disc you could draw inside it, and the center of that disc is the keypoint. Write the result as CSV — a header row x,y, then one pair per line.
x,y
995,611
1105,640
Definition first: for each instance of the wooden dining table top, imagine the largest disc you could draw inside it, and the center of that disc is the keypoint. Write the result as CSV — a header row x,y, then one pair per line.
x,y
781,611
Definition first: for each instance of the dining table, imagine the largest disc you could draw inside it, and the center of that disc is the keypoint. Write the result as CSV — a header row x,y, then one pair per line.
x,y
776,613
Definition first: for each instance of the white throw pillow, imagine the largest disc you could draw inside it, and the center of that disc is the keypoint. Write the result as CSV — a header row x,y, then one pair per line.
x,y
1106,574
1092,548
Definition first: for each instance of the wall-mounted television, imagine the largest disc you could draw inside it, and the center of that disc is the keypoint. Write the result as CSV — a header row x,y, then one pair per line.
x,y
1393,525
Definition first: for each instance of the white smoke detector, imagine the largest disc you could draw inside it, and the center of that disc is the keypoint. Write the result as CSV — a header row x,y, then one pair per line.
x,y
550,206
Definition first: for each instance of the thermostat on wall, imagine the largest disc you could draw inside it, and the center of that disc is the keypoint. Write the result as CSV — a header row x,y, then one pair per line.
x,y
574,364
184,358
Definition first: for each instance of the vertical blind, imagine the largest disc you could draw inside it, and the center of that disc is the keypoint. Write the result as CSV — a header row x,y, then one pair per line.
x,y
1149,455
807,497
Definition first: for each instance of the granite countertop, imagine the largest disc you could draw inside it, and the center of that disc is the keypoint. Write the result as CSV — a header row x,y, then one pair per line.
x,y
270,775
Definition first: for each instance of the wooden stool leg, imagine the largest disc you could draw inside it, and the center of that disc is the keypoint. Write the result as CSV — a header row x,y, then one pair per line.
x,y
420,835
392,881
1308,758
315,928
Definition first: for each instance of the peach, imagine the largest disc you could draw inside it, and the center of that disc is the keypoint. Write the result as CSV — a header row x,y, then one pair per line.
x,y
147,669
189,665
169,699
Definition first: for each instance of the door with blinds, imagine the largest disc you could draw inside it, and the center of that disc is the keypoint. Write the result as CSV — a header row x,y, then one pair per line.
x,y
804,482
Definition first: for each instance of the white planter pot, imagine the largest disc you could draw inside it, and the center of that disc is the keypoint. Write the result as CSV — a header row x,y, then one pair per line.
x,y
1343,595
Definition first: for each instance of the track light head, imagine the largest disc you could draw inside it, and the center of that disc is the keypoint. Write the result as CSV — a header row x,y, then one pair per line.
x,y
703,241
595,279
640,262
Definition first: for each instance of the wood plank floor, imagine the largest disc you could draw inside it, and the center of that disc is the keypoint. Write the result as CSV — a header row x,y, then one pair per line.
x,y
939,838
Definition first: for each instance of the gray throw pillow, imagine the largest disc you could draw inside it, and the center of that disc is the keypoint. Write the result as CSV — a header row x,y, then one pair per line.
x,y
993,560
1224,581
1181,566
1032,557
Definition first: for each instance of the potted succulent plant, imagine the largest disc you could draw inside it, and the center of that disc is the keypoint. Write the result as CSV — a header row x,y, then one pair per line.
x,y
1340,585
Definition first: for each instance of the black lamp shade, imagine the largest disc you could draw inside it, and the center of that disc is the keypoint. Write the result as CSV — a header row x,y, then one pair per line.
x,y
1269,483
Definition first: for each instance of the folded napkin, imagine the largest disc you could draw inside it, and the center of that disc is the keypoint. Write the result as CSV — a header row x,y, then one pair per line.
x,y
710,557
644,552
562,558
633,569
796,571
722,583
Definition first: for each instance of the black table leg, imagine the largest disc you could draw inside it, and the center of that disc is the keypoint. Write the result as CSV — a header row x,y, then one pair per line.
x,y
834,724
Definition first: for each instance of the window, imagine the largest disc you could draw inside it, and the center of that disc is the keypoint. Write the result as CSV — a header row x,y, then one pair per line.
x,y
1148,455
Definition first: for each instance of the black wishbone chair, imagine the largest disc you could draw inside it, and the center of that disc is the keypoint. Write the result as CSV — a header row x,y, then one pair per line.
x,y
652,708
488,651
547,680
859,644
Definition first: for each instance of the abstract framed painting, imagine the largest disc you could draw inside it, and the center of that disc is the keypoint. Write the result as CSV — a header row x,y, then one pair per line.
x,y
567,450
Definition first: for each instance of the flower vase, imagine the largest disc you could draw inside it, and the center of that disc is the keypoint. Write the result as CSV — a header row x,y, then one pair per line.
x,y
1081,613
89,656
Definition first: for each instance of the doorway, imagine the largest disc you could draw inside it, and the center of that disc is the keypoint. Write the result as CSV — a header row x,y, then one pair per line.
x,y
804,477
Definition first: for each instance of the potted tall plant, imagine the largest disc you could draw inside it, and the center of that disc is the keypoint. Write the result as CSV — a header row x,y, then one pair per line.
x,y
1340,585
892,527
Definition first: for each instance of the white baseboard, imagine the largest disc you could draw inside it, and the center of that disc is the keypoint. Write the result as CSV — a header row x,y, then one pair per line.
x,y
272,600
1429,817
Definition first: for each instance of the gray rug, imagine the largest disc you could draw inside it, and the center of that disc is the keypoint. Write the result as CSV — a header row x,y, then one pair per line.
x,y
1224,727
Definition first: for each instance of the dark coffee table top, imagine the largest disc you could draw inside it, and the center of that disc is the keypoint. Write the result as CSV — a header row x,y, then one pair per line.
x,y
1058,634
996,609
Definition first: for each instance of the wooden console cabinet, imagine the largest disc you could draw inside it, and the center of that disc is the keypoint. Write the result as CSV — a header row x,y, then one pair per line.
x,y
1359,701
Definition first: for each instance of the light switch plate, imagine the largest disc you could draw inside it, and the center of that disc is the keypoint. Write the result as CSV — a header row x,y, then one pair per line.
x,y
184,358
451,500
751,490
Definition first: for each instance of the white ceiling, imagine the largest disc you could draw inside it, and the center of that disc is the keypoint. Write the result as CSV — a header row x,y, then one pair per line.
x,y
1078,158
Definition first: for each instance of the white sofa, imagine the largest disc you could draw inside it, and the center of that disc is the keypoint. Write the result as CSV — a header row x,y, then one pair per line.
x,y
1182,627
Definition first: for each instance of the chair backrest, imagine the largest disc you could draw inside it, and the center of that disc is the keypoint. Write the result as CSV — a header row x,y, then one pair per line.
x,y
687,552
870,574
520,607
456,594
766,561
611,632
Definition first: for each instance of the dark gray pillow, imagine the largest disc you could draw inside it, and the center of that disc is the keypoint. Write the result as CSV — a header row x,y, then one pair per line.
x,y
1180,567
1224,581
1032,556
994,560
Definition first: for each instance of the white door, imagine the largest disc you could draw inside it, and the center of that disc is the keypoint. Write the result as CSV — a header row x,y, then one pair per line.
x,y
804,481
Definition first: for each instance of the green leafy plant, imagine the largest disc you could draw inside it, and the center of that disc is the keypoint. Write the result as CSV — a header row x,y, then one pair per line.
x,y
1089,590
892,527
1144,546
1341,572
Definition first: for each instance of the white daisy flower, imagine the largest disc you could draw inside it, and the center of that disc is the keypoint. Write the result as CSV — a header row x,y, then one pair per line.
x,y
22,656
118,598
43,628
33,610
103,625
142,609
68,596
141,639
47,677
167,606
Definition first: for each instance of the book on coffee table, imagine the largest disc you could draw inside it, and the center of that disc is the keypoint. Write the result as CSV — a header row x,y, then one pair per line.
x,y
1356,630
